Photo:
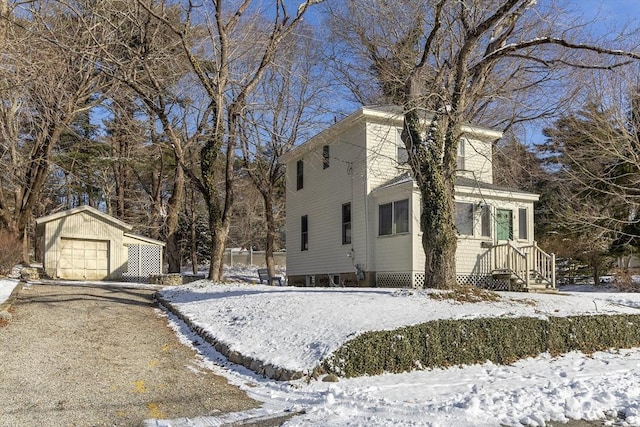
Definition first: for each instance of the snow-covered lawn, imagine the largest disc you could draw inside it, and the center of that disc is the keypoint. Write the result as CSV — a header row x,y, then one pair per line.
x,y
295,328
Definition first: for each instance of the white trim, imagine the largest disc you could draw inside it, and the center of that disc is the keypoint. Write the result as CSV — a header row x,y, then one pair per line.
x,y
494,194
143,239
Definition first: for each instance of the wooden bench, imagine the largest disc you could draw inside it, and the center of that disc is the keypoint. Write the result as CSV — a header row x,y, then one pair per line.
x,y
263,273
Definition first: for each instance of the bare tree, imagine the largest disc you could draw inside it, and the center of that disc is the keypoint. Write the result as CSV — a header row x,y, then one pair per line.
x,y
4,18
449,62
593,156
47,79
145,61
284,109
229,59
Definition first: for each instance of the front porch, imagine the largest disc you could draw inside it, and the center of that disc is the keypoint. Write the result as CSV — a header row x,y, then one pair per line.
x,y
523,268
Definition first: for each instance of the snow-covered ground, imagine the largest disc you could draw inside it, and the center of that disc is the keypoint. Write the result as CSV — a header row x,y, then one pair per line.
x,y
296,327
6,287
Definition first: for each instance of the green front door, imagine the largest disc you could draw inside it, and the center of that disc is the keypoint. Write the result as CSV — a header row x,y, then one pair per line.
x,y
504,224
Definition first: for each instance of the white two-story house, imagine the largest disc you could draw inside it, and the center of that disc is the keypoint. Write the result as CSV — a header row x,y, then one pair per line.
x,y
353,212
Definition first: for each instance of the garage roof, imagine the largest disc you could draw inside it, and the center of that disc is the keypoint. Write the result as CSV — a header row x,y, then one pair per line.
x,y
107,218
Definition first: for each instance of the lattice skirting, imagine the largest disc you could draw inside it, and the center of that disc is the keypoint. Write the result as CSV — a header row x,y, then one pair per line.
x,y
483,281
416,280
400,280
143,261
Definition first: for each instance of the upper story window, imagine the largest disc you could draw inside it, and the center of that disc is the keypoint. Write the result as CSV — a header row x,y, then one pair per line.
x,y
299,175
402,156
523,230
460,162
346,223
325,156
393,218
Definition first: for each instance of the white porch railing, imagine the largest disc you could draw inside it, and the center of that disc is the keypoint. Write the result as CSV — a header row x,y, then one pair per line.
x,y
510,261
541,263
524,264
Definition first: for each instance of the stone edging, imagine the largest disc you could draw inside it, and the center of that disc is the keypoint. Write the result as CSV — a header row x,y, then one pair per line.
x,y
257,366
6,305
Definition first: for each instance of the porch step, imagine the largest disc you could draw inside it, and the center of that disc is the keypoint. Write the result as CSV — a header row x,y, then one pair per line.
x,y
503,274
541,289
537,283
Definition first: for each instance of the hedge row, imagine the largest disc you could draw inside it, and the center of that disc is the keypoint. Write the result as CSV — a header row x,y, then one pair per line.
x,y
445,343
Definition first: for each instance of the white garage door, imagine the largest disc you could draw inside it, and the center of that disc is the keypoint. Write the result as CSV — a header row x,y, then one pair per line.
x,y
84,259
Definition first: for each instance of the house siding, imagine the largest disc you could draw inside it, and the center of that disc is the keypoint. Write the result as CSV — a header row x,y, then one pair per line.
x,y
478,160
324,192
418,259
382,154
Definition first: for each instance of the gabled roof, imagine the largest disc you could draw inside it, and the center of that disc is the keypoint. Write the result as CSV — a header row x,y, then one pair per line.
x,y
93,211
390,113
398,180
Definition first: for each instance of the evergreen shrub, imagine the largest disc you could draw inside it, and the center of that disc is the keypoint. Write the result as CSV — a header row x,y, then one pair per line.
x,y
445,343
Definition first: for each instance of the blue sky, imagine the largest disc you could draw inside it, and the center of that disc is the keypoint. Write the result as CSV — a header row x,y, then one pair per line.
x,y
607,15
615,10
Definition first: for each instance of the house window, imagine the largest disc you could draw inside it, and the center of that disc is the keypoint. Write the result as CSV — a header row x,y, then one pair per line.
x,y
402,156
346,223
325,156
393,218
299,175
504,224
485,221
464,218
522,224
304,234
460,162
401,216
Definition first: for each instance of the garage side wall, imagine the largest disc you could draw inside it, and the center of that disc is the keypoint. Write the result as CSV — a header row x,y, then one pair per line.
x,y
88,227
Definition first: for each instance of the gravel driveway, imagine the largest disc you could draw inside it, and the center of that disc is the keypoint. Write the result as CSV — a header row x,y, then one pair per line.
x,y
100,356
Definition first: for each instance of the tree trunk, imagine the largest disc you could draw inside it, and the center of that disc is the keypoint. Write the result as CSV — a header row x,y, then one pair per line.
x,y
271,232
35,178
174,257
4,17
193,247
208,158
439,239
219,233
435,180
220,214
156,202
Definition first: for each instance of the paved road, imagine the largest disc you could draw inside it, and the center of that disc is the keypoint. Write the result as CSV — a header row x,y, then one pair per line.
x,y
100,356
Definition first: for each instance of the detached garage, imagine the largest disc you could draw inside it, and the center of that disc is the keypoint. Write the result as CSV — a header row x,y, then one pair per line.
x,y
86,244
